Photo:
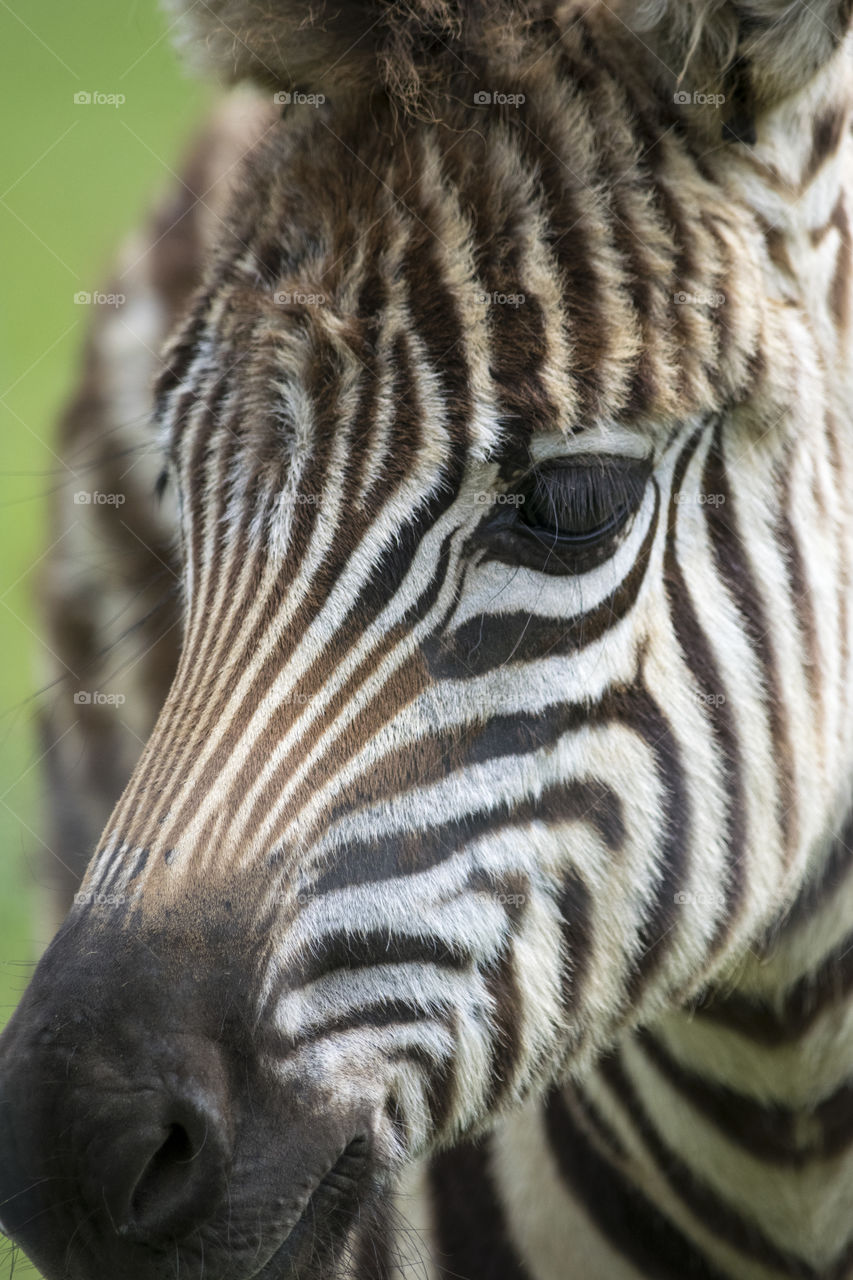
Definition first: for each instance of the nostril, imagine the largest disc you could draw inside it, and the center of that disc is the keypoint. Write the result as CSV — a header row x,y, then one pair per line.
x,y
162,1180
169,1178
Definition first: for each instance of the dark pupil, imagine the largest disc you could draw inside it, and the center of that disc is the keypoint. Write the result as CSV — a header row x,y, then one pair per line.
x,y
583,502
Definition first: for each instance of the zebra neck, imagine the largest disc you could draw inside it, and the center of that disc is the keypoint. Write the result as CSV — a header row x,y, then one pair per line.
x,y
716,1144
734,1123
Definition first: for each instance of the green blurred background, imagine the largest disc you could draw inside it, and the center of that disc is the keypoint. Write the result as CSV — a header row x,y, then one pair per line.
x,y
74,179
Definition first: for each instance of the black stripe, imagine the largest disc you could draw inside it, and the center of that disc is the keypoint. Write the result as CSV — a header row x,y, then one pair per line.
x,y
627,1219
773,1133
575,904
493,640
411,852
331,953
817,892
505,1022
700,658
441,1082
472,1235
381,1013
716,1215
728,543
636,708
807,1000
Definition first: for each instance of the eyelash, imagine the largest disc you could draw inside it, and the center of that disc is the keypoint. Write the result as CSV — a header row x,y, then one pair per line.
x,y
582,502
564,517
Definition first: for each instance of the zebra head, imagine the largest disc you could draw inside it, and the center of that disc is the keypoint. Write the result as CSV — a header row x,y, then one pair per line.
x,y
510,443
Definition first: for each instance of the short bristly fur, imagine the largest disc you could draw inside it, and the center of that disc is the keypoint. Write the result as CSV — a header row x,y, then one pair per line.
x,y
480,903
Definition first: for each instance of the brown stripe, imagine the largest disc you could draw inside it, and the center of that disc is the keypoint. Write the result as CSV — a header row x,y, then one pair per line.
x,y
723,318
190,697
518,336
666,149
571,232
174,747
433,305
827,132
600,89
351,530
777,246
398,691
505,1023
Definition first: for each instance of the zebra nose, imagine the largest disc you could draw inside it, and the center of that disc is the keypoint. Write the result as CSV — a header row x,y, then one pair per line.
x,y
163,1170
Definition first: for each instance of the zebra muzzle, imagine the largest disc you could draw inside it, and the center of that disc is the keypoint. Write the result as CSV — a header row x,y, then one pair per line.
x,y
140,1130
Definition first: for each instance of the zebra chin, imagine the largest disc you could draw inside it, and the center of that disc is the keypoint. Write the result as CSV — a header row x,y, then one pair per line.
x,y
143,1128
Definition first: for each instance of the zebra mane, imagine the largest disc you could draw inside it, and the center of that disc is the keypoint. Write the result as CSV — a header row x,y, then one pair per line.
x,y
763,50
752,52
335,45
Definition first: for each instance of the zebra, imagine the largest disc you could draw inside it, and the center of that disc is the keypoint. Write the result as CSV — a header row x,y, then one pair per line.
x,y
479,903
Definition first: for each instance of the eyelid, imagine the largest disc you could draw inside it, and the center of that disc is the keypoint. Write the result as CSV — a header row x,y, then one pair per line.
x,y
602,463
605,442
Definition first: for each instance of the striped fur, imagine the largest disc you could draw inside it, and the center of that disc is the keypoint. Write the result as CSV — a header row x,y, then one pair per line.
x,y
548,862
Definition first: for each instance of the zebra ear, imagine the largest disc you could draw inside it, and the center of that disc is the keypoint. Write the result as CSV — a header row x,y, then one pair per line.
x,y
745,55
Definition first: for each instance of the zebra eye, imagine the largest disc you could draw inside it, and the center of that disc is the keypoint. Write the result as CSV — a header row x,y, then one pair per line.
x,y
583,502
